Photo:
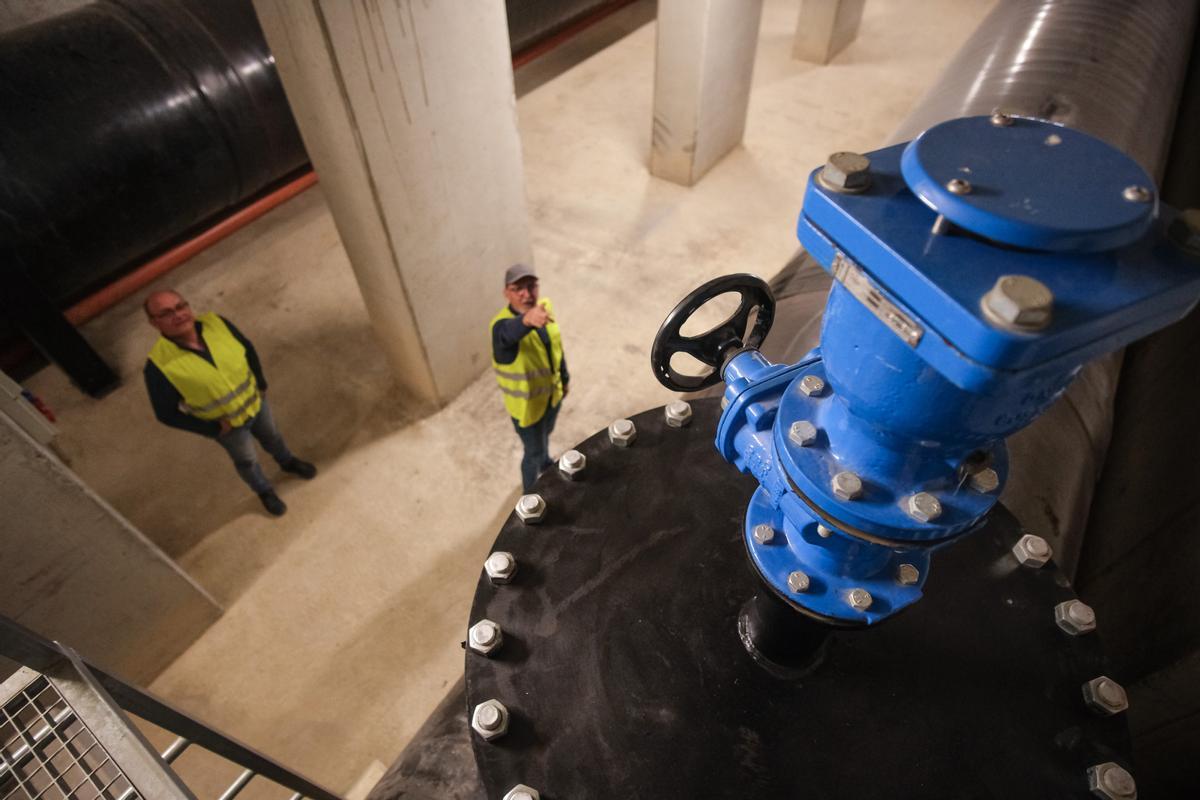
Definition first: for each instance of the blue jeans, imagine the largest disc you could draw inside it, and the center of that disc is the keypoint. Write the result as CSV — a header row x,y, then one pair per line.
x,y
536,439
241,449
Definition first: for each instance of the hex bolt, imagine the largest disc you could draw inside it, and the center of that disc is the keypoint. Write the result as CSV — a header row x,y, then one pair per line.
x,y
798,582
1137,194
847,486
1018,303
1032,551
849,173
1001,119
1184,231
1111,781
1105,696
824,532
678,414
859,599
490,719
958,186
812,386
484,637
907,575
500,567
531,508
923,507
571,463
764,534
1075,617
985,481
522,792
622,432
803,433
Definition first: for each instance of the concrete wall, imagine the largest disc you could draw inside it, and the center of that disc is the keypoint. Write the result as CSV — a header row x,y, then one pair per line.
x,y
76,571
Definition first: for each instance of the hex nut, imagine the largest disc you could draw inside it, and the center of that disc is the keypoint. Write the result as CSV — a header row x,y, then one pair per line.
x,y
490,719
803,433
847,486
571,463
484,637
764,534
1001,119
985,481
812,386
846,172
1018,303
798,582
500,567
824,532
958,186
1075,617
923,507
907,575
622,432
522,792
1111,781
1184,231
678,414
531,508
859,599
1032,551
1105,696
1137,194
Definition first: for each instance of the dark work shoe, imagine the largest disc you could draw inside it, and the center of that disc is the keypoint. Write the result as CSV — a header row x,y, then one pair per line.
x,y
271,502
302,468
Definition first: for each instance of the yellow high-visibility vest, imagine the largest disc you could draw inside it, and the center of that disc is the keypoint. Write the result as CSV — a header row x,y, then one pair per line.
x,y
223,390
533,381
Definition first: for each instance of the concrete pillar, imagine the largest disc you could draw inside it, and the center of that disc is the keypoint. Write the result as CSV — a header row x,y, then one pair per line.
x,y
75,570
825,27
408,113
702,72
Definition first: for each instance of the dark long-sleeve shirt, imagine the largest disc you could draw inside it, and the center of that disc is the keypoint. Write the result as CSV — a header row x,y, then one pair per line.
x,y
506,336
165,398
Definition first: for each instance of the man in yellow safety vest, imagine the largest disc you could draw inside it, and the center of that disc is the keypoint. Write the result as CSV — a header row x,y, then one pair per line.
x,y
527,357
204,377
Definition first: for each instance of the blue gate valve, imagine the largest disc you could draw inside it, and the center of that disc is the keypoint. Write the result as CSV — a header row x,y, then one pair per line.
x,y
976,269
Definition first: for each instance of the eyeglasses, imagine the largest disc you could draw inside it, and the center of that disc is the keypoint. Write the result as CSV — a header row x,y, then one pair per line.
x,y
167,313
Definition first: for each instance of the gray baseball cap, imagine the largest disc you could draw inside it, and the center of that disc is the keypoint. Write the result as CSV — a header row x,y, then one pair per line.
x,y
518,271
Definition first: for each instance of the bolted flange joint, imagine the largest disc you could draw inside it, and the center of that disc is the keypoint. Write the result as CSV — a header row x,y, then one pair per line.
x,y
571,463
847,486
1075,617
764,534
923,507
490,719
622,432
500,567
531,508
485,637
798,582
678,414
1111,781
522,792
859,599
1105,696
803,433
812,386
1032,551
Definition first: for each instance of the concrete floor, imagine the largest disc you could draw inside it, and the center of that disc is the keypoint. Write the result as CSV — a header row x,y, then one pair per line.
x,y
344,618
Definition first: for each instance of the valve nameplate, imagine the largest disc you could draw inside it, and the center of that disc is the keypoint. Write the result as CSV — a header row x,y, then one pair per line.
x,y
850,275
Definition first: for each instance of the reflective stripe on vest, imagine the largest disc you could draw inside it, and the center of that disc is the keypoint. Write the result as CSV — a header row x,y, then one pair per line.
x,y
222,390
533,381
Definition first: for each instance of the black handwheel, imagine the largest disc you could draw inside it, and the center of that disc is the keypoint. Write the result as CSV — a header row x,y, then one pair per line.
x,y
713,347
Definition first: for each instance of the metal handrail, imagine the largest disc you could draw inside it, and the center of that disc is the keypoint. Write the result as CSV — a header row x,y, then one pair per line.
x,y
35,652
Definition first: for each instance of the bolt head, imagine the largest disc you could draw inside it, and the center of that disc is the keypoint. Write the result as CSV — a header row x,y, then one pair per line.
x,y
846,172
531,508
907,575
1001,119
923,507
484,637
1032,551
1018,303
571,463
847,486
764,534
812,385
859,599
803,433
490,719
500,567
1075,617
958,186
522,792
678,414
1111,781
1105,696
798,582
622,432
1137,194
1184,231
985,481
824,532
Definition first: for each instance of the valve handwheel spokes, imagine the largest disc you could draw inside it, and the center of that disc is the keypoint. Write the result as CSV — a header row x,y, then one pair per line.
x,y
712,348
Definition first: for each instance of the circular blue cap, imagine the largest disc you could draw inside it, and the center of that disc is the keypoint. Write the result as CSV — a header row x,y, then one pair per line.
x,y
1031,183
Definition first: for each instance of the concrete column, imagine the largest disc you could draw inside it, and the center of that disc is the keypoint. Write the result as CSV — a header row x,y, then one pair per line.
x,y
408,113
702,72
75,570
825,27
